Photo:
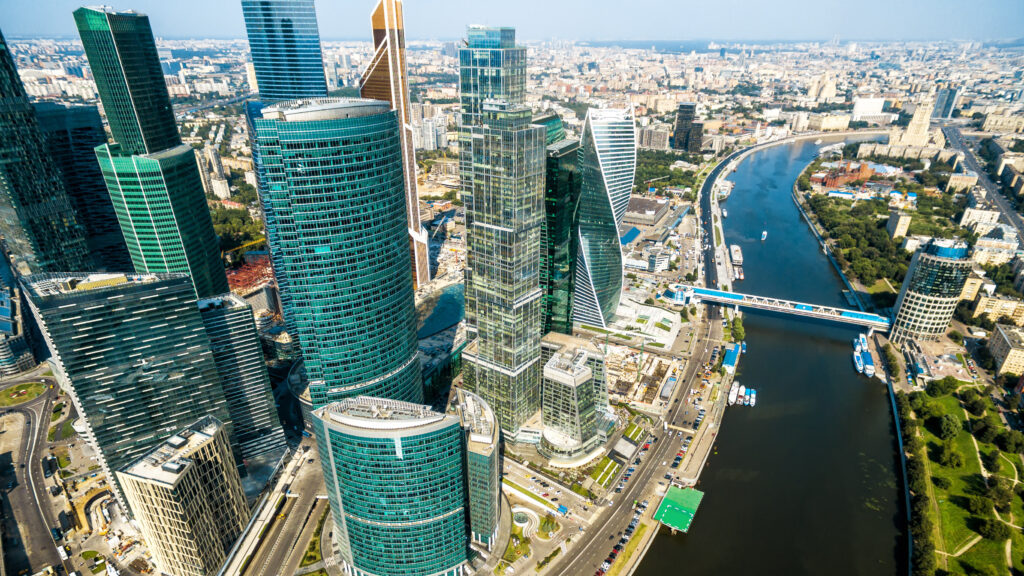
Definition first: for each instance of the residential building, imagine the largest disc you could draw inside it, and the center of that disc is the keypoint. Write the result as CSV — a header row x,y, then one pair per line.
x,y
187,498
574,400
133,356
285,44
559,240
828,122
946,101
483,464
975,284
931,290
343,245
688,134
153,179
961,181
396,482
997,246
898,224
1007,347
607,169
1003,123
655,138
999,308
386,79
238,355
72,133
37,218
980,219
917,131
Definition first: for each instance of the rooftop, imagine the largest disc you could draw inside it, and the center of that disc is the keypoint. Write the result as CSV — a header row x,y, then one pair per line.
x,y
310,109
678,507
1012,334
229,301
165,463
75,283
366,413
477,417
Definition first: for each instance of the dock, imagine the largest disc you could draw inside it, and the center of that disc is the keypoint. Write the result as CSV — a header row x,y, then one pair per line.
x,y
678,508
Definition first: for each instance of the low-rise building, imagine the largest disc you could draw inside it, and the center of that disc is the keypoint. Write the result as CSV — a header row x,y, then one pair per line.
x,y
977,283
961,181
998,246
645,211
1007,347
828,122
1003,123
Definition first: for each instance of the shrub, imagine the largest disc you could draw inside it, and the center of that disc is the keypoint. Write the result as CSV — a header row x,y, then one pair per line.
x,y
949,456
941,482
993,529
942,387
979,506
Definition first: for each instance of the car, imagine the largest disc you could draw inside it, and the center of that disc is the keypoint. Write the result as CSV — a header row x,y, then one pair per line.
x,y
545,494
310,461
668,476
606,565
617,547
554,499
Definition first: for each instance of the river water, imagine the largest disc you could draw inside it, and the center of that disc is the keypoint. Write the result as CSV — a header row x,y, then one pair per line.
x,y
807,481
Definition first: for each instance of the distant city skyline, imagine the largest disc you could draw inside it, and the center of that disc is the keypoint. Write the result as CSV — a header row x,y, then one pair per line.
x,y
658,20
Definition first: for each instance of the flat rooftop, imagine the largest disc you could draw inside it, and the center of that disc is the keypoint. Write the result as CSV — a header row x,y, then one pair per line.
x,y
165,463
678,507
71,283
1012,334
309,109
368,413
478,418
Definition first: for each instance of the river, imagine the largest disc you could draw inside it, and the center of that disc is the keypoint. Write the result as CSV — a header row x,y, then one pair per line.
x,y
807,481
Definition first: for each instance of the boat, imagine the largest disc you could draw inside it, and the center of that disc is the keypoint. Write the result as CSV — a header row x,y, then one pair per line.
x,y
733,392
818,141
743,347
856,345
869,363
858,362
725,213
740,394
764,235
739,273
746,397
737,255
753,397
863,342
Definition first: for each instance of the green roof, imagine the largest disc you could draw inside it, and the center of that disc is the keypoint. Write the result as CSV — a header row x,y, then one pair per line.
x,y
678,507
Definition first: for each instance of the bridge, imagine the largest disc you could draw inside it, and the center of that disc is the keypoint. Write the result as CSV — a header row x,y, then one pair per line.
x,y
789,307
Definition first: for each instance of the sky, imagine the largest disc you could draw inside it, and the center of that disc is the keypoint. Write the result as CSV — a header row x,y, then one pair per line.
x,y
673,20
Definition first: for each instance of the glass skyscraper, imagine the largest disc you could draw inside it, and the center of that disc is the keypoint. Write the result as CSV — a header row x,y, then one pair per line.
x,y
37,220
386,79
491,67
931,291
285,44
331,172
559,238
551,122
72,133
153,179
483,465
396,482
607,168
133,354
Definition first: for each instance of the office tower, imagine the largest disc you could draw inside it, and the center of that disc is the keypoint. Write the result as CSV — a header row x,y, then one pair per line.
x,y
607,167
574,400
930,291
559,239
343,244
552,123
946,101
37,221
72,133
132,354
386,79
688,133
483,464
396,483
491,67
238,355
15,355
187,497
285,44
153,179
504,303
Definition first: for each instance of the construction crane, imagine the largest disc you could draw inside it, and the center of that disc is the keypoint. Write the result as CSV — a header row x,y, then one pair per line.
x,y
438,227
255,242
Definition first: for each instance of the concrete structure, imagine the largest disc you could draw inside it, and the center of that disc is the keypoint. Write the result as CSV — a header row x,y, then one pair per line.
x,y
1007,347
342,250
997,246
975,284
681,292
828,122
655,137
998,308
645,211
285,44
930,291
898,224
187,497
483,464
916,132
1003,123
386,79
980,219
396,482
961,181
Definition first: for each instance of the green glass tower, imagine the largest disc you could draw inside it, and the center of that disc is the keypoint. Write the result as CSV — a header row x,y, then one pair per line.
x,y
559,239
395,478
331,172
37,220
551,122
483,464
153,179
133,355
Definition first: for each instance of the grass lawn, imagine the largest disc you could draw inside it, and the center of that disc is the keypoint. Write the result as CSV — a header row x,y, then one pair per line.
x,y
984,553
718,237
628,551
21,393
89,554
57,409
594,329
663,326
51,433
99,568
605,471
633,432
517,546
312,554
67,431
879,287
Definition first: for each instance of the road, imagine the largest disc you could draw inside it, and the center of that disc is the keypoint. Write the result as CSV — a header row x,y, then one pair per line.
x,y
1010,215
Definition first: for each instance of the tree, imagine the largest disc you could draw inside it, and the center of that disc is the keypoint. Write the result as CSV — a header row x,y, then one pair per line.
x,y
979,506
941,482
977,406
942,387
1010,441
738,333
949,457
684,315
993,529
984,431
949,427
999,491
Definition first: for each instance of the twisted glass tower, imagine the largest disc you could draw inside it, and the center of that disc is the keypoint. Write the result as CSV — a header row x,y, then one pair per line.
x,y
331,171
396,481
285,44
607,167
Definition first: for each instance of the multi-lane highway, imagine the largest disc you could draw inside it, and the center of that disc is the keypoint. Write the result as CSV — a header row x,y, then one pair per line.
x,y
1010,215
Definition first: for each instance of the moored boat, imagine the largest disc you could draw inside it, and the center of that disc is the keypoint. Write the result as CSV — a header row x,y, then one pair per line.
x,y
753,397
733,393
858,362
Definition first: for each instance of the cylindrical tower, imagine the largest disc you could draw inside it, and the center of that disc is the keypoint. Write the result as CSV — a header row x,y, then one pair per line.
x,y
931,291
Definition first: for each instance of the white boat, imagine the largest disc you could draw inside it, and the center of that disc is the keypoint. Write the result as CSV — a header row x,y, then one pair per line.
x,y
746,397
856,345
818,141
740,394
725,213
863,342
858,362
764,235
753,397
733,392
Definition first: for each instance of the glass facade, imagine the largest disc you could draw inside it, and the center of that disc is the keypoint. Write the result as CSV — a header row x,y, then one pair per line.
x,y
386,79
551,122
132,353
37,220
238,354
331,173
575,397
607,167
931,291
483,465
504,301
491,67
396,484
559,240
72,133
159,201
688,134
285,44
126,68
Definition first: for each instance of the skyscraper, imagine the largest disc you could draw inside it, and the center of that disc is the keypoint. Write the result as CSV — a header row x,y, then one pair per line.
x,y
607,167
575,399
483,464
153,179
491,67
72,133
285,44
37,220
186,495
931,291
689,134
133,355
396,482
559,238
386,79
238,354
552,123
331,172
